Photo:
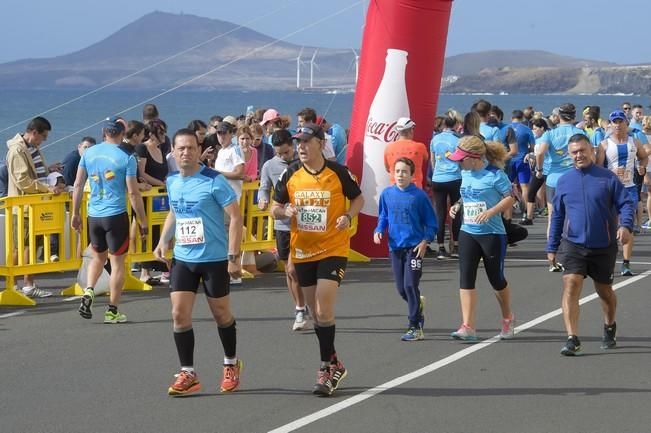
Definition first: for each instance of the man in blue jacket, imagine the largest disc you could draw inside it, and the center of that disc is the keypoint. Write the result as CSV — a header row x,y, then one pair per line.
x,y
587,203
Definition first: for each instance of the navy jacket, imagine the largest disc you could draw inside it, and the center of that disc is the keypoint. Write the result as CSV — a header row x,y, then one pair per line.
x,y
587,203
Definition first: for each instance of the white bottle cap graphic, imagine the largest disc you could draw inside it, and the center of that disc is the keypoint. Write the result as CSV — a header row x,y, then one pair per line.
x,y
390,103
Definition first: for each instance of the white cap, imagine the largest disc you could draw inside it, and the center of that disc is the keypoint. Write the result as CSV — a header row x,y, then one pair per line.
x,y
404,123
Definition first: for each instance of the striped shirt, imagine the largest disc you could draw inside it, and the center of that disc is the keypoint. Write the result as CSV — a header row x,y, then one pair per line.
x,y
39,164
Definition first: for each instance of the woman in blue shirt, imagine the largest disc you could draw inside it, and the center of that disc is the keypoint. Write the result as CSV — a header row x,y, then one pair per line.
x,y
446,182
485,195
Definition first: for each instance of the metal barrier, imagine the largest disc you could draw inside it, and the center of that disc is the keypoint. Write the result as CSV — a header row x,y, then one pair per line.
x,y
38,216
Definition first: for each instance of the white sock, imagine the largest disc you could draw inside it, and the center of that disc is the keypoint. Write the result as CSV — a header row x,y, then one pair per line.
x,y
230,361
188,369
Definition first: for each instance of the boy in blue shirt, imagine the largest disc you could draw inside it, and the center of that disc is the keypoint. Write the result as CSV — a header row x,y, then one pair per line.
x,y
407,213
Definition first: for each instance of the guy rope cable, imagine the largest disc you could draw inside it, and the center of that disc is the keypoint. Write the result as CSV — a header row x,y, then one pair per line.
x,y
222,66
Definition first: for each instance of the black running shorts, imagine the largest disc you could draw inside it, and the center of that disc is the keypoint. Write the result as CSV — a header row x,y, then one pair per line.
x,y
213,277
330,268
596,263
110,233
282,244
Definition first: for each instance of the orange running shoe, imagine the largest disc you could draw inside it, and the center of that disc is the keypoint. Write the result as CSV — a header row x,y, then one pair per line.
x,y
185,383
231,380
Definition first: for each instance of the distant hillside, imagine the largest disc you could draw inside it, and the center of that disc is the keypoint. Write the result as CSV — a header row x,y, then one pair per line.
x,y
472,63
241,58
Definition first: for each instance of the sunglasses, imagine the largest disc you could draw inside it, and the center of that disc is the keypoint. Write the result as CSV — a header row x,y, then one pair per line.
x,y
626,108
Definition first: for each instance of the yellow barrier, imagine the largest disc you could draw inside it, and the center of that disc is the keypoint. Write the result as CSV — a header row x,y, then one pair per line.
x,y
42,215
36,218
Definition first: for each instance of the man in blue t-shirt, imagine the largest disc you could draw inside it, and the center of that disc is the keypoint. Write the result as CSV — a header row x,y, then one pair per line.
x,y
112,174
204,254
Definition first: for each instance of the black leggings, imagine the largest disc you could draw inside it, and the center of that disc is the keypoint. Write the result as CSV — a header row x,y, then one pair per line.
x,y
534,185
491,249
443,190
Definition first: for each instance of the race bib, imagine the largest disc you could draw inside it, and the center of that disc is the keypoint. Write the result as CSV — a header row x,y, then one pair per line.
x,y
624,175
189,231
472,210
312,218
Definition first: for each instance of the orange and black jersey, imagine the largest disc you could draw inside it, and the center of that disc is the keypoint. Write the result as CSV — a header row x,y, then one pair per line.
x,y
320,199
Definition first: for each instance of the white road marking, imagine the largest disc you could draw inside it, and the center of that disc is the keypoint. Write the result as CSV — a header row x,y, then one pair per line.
x,y
12,314
72,298
351,401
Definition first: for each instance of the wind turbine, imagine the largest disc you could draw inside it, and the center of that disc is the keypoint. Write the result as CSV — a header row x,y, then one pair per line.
x,y
312,66
298,68
356,64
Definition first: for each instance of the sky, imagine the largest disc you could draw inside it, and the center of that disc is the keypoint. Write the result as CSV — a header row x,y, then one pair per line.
x,y
579,28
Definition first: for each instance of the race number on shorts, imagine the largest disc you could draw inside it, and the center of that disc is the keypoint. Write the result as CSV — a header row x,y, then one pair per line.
x,y
189,231
472,210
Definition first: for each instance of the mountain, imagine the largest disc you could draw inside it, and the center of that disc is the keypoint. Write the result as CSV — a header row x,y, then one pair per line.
x,y
209,54
471,63
239,58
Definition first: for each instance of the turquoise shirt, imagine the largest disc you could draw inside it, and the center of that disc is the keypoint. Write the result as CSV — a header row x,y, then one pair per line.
x,y
441,146
198,203
108,167
480,191
557,140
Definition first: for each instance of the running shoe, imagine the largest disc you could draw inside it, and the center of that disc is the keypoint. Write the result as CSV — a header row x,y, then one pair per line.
x,y
337,373
54,258
465,333
231,379
164,278
454,252
637,230
236,281
508,328
526,222
609,340
626,270
35,292
110,317
572,346
323,385
87,299
413,334
300,320
441,254
186,382
556,267
646,225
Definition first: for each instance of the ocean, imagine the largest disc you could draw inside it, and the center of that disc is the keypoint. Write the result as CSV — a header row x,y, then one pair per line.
x,y
74,120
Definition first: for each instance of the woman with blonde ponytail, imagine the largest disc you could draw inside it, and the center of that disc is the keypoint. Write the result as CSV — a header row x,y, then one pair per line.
x,y
485,195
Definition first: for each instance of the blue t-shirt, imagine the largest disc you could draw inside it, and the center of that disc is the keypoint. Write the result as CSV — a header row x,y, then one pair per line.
x,y
339,142
525,139
490,133
480,191
198,203
547,162
441,146
560,161
108,167
598,135
408,215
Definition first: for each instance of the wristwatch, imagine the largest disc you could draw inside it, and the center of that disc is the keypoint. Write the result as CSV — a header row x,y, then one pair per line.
x,y
233,257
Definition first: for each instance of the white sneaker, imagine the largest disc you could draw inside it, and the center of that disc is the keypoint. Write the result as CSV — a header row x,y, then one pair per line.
x,y
508,328
35,292
54,258
164,278
300,321
236,281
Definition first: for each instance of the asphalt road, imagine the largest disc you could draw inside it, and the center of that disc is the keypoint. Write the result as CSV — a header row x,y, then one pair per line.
x,y
60,373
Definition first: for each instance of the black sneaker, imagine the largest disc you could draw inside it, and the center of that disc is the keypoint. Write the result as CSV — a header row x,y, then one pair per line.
x,y
609,341
442,254
572,347
337,373
526,222
323,385
86,304
454,253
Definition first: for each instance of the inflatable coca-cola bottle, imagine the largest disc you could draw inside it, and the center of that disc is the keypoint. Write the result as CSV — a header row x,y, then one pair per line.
x,y
388,89
389,104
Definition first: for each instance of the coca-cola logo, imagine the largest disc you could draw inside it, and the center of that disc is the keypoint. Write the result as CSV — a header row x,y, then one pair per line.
x,y
381,130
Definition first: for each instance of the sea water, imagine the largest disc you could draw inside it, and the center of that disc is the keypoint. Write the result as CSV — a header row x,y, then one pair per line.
x,y
73,120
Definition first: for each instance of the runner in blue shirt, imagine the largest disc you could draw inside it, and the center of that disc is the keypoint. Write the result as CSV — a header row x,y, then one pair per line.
x,y
446,182
485,194
407,213
203,255
112,174
520,171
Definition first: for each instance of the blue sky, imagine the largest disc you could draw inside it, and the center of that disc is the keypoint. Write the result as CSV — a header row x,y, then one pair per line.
x,y
46,28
